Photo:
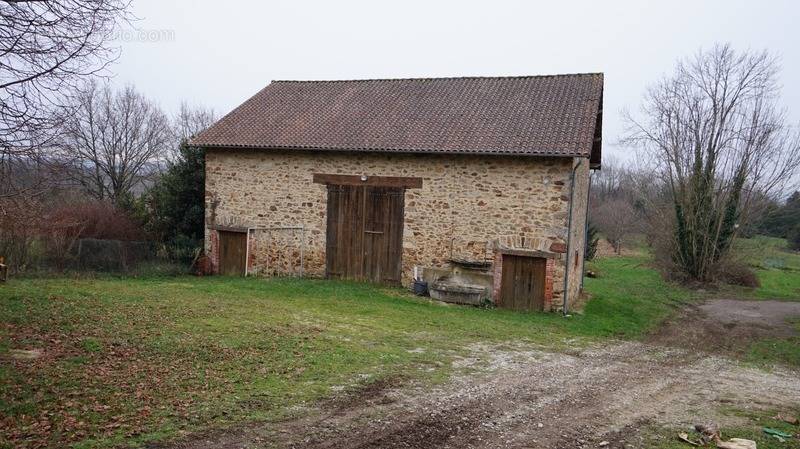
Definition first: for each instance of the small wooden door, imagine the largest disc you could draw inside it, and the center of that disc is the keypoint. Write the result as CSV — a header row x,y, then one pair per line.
x,y
232,253
365,233
522,283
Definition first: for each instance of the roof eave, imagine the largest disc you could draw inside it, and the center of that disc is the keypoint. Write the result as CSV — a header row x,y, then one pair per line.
x,y
522,153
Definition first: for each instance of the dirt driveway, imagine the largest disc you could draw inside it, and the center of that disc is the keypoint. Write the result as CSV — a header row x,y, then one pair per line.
x,y
522,397
728,326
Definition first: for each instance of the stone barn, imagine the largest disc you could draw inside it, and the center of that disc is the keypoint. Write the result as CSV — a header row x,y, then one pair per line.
x,y
477,186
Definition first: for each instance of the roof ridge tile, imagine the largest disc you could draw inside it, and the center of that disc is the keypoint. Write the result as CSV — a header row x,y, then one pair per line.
x,y
442,78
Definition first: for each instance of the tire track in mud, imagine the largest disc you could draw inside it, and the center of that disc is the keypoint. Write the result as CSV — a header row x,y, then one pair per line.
x,y
557,401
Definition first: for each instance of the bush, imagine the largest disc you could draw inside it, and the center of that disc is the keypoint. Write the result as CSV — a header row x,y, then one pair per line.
x,y
58,234
182,249
737,273
98,220
173,209
592,238
175,205
64,227
20,224
111,255
616,219
793,238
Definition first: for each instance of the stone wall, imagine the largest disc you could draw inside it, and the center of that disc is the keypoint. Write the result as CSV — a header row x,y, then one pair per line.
x,y
468,206
577,238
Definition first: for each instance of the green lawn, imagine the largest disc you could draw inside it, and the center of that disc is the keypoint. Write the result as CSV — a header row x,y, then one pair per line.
x,y
777,267
135,360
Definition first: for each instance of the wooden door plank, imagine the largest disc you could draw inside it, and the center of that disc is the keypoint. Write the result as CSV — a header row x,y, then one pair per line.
x,y
358,206
353,235
332,268
507,285
394,228
539,280
521,300
527,281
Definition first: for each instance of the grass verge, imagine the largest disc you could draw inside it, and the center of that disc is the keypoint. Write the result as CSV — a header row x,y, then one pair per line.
x,y
777,268
783,350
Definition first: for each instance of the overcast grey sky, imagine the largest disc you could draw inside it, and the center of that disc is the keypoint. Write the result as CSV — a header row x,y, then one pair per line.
x,y
220,53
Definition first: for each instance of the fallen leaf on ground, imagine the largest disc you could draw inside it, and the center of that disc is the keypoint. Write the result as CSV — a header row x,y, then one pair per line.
x,y
25,354
710,432
683,436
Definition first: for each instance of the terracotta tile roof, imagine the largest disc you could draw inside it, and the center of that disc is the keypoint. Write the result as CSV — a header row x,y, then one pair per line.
x,y
535,115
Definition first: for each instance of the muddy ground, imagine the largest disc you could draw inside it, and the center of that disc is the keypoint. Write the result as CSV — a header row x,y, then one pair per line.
x,y
527,398
727,326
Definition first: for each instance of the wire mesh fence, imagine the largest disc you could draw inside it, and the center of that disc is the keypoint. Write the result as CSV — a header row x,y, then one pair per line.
x,y
101,255
110,255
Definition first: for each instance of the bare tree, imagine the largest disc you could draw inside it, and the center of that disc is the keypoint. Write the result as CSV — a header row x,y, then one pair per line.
x,y
716,136
616,219
187,123
191,120
46,48
114,140
606,183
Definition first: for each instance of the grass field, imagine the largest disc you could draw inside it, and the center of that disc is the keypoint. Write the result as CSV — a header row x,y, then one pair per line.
x,y
133,360
143,359
778,269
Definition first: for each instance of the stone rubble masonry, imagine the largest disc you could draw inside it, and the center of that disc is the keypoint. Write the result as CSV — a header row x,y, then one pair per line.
x,y
468,207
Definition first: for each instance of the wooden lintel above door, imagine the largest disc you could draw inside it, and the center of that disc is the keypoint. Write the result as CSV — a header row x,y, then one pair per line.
x,y
376,181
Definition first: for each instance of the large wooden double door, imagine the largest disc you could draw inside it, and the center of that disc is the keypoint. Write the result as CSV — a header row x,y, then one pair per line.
x,y
365,233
